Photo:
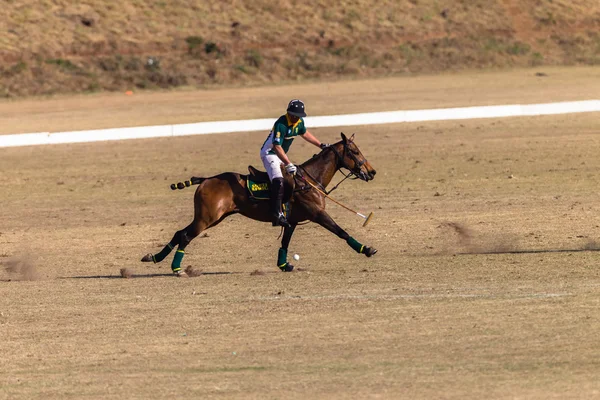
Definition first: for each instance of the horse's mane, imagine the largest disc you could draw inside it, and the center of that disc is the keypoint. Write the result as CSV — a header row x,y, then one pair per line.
x,y
319,155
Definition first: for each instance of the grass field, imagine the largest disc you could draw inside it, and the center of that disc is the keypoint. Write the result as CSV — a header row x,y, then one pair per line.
x,y
432,315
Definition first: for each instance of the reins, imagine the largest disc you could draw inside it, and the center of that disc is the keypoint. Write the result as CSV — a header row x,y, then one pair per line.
x,y
352,175
339,165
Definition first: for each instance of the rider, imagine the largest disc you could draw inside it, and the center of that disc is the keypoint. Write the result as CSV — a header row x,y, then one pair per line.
x,y
273,153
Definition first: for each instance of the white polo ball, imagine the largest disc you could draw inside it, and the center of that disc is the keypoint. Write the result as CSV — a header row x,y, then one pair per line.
x,y
296,257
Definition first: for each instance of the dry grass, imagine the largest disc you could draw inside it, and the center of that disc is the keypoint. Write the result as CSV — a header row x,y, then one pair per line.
x,y
57,46
418,320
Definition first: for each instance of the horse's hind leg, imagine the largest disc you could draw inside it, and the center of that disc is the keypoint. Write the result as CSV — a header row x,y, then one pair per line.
x,y
202,221
161,255
184,237
323,219
213,202
180,240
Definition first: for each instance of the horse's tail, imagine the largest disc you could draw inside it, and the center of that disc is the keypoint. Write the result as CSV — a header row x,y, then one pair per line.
x,y
182,185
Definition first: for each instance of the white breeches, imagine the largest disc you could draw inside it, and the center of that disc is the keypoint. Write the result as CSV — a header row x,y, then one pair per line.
x,y
272,164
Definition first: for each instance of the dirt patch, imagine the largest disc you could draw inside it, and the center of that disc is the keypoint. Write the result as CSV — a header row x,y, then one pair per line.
x,y
22,269
126,273
257,272
193,272
592,245
464,234
470,241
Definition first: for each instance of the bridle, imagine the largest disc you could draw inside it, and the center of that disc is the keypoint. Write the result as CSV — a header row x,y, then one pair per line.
x,y
354,173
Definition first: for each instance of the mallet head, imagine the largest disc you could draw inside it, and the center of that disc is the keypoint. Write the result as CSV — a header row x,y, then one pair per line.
x,y
368,219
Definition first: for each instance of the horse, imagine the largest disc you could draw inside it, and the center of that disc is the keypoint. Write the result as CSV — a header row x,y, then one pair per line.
x,y
222,195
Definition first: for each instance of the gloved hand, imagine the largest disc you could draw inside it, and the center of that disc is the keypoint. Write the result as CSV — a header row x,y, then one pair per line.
x,y
291,168
324,146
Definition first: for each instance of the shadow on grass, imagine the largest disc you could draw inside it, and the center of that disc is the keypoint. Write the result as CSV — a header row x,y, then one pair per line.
x,y
533,251
144,275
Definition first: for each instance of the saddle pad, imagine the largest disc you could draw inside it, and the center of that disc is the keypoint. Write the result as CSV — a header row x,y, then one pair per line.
x,y
258,190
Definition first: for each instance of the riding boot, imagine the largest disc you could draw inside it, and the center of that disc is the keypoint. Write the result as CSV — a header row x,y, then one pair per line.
x,y
276,199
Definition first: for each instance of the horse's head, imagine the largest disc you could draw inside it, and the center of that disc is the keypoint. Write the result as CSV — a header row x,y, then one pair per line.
x,y
350,157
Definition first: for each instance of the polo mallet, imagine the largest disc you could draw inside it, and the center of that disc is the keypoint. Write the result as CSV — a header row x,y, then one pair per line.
x,y
366,217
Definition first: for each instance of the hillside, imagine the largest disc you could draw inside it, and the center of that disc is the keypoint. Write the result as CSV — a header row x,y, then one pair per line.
x,y
57,46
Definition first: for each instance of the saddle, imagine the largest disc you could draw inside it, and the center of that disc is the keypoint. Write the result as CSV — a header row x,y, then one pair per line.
x,y
259,185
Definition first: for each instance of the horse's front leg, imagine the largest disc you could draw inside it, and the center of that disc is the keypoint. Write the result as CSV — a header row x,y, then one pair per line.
x,y
282,255
323,219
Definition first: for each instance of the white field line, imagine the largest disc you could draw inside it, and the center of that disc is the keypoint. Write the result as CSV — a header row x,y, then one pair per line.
x,y
388,117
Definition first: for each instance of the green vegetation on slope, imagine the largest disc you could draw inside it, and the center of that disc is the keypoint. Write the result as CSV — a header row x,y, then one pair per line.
x,y
52,46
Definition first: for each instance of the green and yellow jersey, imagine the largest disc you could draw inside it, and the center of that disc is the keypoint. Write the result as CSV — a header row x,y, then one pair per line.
x,y
282,134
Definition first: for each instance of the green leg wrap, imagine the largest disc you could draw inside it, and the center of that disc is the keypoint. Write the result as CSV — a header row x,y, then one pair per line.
x,y
355,245
176,264
282,257
158,257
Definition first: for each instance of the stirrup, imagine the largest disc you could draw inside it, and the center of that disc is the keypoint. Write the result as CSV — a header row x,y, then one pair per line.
x,y
281,220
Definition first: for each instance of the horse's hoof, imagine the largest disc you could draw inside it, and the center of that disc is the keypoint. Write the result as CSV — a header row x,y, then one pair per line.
x,y
369,251
287,267
180,274
148,258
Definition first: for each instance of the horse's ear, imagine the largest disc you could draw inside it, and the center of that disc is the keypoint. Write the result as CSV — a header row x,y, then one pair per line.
x,y
352,137
344,138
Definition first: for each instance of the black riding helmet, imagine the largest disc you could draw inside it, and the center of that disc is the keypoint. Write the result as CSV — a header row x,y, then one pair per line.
x,y
296,108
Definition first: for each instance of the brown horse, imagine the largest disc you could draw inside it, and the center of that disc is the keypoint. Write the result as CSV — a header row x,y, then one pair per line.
x,y
225,194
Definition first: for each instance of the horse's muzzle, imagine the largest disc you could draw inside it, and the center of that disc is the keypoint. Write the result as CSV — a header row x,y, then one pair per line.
x,y
367,176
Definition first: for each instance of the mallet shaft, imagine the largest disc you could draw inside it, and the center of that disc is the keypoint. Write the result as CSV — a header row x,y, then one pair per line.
x,y
367,218
335,201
